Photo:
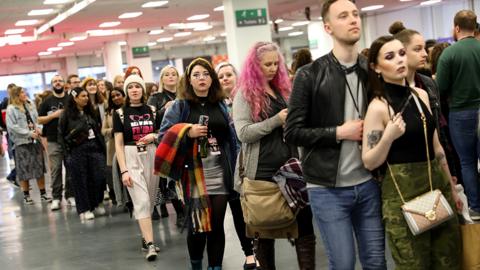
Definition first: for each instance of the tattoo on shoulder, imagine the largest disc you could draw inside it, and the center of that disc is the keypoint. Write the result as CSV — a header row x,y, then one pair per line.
x,y
374,137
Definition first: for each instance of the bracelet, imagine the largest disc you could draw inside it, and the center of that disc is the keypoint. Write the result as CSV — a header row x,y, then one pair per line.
x,y
122,173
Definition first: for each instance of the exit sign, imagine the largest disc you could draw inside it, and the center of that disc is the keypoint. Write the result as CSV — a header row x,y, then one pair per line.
x,y
139,52
251,17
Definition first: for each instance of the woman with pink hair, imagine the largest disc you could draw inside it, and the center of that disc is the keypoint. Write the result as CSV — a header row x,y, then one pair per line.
x,y
259,113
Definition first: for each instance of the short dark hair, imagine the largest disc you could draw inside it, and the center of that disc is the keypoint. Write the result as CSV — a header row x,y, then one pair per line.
x,y
69,78
326,8
465,20
215,93
376,82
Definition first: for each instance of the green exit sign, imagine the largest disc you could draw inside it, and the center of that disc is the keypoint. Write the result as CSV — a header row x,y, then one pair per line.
x,y
251,17
139,52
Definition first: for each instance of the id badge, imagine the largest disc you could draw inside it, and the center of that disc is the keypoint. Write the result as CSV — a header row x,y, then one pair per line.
x,y
141,149
213,145
91,134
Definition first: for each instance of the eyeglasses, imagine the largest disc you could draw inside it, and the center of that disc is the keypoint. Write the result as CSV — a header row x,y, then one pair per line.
x,y
197,76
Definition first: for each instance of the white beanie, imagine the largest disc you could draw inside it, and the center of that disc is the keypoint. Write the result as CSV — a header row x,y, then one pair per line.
x,y
133,79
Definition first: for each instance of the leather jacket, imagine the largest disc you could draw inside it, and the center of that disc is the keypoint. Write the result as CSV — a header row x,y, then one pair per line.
x,y
316,108
73,132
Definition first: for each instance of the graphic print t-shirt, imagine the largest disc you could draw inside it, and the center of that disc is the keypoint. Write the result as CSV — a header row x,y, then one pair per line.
x,y
138,122
47,107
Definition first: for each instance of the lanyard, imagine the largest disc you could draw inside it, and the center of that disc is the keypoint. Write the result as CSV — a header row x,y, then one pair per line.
x,y
351,95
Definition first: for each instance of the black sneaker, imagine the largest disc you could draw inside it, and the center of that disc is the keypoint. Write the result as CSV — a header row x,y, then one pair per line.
x,y
474,215
28,200
145,247
45,198
151,252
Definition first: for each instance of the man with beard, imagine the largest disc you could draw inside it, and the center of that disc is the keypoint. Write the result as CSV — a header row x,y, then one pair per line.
x,y
325,118
49,112
459,82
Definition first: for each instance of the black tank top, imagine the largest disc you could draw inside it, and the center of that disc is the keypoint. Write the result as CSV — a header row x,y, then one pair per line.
x,y
410,147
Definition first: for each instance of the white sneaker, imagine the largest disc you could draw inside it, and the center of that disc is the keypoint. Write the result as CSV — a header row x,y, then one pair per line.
x,y
55,205
100,210
88,215
71,202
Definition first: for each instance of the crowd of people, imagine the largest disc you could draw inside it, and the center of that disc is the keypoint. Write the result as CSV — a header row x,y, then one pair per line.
x,y
371,132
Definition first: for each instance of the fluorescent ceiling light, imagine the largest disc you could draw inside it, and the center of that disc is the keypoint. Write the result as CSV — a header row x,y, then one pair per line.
x,y
76,8
203,28
219,8
165,39
109,24
153,4
129,15
26,22
14,39
99,33
300,23
14,31
150,44
294,34
65,44
209,38
224,34
198,17
278,20
374,7
44,53
430,2
188,25
55,2
156,32
40,12
182,34
286,28
122,43
54,49
78,38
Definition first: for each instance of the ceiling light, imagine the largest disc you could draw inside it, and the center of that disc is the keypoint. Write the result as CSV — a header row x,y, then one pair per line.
x,y
62,16
209,38
278,20
109,24
14,31
150,44
40,12
165,39
54,49
182,34
286,28
78,38
26,22
122,43
156,32
65,44
219,8
198,17
405,0
97,33
14,39
55,2
44,53
294,34
430,2
223,34
300,23
153,4
374,7
188,25
203,28
129,15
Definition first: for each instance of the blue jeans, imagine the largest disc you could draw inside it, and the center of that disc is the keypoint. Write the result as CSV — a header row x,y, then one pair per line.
x,y
342,212
463,130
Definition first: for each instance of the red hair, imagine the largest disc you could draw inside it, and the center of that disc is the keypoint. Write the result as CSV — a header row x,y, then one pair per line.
x,y
129,70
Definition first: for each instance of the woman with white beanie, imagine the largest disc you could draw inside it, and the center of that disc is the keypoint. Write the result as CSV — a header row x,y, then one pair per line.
x,y
134,126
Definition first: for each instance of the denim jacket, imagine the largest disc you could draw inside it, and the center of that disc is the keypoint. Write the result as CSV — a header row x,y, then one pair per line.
x,y
17,125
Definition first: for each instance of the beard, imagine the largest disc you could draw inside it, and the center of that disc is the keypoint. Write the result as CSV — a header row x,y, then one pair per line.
x,y
58,90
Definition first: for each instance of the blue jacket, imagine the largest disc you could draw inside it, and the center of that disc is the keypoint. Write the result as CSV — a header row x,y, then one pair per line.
x,y
17,125
179,112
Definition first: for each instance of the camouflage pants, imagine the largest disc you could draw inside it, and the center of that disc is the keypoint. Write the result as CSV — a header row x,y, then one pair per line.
x,y
436,249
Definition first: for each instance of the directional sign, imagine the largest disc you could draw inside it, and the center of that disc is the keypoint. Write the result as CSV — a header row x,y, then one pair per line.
x,y
251,17
139,52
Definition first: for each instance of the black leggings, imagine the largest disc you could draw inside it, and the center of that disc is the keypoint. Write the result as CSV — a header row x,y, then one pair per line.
x,y
237,213
215,240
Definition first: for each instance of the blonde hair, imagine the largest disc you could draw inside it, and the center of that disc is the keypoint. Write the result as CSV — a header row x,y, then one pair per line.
x,y
15,98
162,73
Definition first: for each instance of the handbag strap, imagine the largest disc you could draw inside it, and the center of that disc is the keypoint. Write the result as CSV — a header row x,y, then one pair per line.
x,y
429,166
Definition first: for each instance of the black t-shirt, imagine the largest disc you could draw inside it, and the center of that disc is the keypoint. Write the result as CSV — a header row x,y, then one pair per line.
x,y
138,122
47,107
274,152
217,124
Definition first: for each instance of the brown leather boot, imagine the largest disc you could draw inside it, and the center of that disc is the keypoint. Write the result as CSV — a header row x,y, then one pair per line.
x,y
265,253
305,247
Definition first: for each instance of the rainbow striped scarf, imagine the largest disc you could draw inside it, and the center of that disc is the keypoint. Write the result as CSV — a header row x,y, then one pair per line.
x,y
175,159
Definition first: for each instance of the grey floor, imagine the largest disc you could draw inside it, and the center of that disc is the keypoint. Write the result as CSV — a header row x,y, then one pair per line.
x,y
33,237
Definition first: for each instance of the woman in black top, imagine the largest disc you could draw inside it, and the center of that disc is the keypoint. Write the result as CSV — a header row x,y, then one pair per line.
x,y
394,133
80,136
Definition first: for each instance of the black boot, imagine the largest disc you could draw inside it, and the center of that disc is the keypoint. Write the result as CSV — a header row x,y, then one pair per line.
x,y
265,253
155,215
163,210
196,264
305,247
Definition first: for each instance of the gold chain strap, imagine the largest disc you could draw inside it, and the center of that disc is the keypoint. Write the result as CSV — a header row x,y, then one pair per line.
x,y
422,116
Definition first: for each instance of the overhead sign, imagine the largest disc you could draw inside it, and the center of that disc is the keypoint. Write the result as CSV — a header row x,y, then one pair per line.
x,y
251,17
139,52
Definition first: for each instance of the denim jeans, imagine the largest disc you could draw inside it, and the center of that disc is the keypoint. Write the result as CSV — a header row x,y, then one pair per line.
x,y
342,212
463,130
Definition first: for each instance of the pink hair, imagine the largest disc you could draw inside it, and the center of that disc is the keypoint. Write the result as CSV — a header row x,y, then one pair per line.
x,y
252,81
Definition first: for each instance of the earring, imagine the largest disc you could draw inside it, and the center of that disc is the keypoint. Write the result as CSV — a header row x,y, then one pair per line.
x,y
379,75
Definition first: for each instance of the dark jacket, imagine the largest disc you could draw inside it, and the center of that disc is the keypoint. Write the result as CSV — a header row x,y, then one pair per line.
x,y
316,109
159,100
73,132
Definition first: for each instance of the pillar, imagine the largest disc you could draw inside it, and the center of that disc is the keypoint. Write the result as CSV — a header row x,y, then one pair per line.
x,y
142,62
112,59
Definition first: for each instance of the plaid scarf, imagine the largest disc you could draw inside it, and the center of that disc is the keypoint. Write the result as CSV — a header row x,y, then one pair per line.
x,y
175,159
290,181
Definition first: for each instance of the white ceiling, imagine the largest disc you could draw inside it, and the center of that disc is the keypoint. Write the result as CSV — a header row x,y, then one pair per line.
x,y
153,18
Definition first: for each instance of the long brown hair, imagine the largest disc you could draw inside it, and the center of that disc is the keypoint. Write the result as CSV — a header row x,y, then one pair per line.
x,y
215,93
375,80
99,99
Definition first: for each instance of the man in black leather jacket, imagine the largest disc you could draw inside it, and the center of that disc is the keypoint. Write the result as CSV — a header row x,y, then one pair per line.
x,y
326,109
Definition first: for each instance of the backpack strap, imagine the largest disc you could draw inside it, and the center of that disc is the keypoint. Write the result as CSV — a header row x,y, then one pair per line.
x,y
154,111
120,114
